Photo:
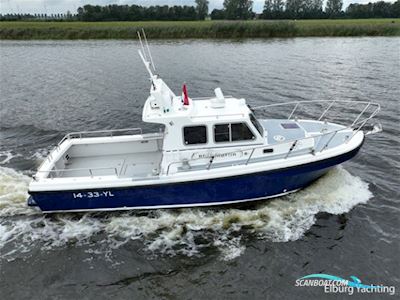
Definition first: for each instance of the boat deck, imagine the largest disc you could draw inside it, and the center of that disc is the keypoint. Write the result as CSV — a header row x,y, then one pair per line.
x,y
276,132
122,165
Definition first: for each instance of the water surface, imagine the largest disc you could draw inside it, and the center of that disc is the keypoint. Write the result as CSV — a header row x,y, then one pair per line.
x,y
345,224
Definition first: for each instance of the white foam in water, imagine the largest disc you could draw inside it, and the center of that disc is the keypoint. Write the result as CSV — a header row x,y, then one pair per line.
x,y
13,193
172,232
41,154
7,156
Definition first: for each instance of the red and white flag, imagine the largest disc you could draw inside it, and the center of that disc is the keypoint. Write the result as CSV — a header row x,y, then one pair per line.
x,y
185,95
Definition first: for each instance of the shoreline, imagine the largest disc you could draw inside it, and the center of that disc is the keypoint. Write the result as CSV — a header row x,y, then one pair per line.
x,y
42,30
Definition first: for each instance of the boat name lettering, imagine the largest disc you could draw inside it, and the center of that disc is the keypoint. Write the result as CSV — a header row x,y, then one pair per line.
x,y
93,194
215,155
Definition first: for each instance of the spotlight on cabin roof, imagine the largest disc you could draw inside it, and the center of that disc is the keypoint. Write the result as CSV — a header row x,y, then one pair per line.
x,y
219,100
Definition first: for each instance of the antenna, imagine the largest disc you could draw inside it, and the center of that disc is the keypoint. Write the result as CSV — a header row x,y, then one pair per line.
x,y
148,50
141,44
144,52
146,64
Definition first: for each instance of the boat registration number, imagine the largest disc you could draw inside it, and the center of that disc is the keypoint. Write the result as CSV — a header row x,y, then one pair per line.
x,y
93,194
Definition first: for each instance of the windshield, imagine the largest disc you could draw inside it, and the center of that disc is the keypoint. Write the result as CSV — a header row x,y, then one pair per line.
x,y
256,124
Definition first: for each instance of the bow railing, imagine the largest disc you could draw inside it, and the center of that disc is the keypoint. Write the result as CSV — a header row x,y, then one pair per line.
x,y
330,105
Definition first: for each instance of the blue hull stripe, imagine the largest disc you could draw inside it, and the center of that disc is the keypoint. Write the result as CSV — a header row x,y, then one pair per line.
x,y
212,191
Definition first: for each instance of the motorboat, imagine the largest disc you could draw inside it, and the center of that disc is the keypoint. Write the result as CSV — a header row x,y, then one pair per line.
x,y
209,151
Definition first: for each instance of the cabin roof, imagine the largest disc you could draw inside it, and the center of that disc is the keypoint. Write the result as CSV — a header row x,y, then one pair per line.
x,y
200,110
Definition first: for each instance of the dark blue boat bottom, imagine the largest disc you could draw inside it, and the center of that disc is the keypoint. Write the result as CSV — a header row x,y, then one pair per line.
x,y
227,190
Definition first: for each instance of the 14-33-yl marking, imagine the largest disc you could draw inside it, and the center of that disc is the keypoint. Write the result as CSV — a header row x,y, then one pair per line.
x,y
93,194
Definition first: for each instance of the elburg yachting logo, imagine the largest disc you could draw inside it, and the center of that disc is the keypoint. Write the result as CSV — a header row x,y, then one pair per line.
x,y
337,285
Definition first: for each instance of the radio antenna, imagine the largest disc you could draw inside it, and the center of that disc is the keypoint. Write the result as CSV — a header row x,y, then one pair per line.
x,y
148,50
141,44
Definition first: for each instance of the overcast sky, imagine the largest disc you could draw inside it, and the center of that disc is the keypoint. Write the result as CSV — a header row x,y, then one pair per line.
x,y
62,6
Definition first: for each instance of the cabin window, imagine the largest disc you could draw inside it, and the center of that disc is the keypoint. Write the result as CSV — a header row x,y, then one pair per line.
x,y
256,124
222,133
195,135
232,132
240,132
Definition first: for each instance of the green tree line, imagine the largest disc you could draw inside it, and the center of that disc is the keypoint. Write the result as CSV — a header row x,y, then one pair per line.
x,y
136,13
142,13
232,10
313,9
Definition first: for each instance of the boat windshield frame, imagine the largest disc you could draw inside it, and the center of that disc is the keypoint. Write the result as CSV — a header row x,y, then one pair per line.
x,y
256,123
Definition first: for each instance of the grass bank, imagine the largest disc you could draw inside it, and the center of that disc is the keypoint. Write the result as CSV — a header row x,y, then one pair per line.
x,y
199,29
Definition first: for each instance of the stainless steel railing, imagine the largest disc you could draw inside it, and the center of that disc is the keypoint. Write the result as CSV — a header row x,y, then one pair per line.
x,y
330,104
83,134
110,132
356,125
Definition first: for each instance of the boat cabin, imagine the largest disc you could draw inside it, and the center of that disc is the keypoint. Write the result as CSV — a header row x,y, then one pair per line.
x,y
201,123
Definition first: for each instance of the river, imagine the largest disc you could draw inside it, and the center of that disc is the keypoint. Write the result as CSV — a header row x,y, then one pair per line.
x,y
347,223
